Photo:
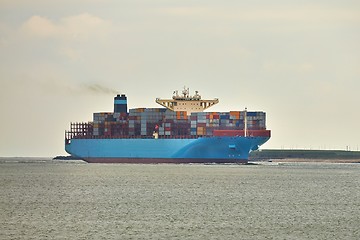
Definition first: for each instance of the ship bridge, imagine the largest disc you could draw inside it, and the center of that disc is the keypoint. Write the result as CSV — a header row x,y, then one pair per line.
x,y
186,102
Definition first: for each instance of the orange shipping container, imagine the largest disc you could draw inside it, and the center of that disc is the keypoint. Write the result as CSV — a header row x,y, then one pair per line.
x,y
235,114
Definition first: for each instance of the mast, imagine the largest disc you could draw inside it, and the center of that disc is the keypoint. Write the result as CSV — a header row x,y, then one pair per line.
x,y
245,122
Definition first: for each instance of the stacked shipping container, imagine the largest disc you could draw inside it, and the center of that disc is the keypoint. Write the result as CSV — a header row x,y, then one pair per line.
x,y
143,122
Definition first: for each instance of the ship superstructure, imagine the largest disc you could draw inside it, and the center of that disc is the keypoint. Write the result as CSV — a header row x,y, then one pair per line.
x,y
186,102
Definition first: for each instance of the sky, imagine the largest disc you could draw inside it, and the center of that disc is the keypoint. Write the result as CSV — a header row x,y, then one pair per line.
x,y
299,61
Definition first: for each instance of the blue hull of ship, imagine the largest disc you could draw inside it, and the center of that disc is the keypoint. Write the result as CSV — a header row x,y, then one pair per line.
x,y
200,150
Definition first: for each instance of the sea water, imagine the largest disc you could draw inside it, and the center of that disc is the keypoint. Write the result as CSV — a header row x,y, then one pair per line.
x,y
49,199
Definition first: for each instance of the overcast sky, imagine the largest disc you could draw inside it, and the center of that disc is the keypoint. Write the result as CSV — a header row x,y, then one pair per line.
x,y
299,61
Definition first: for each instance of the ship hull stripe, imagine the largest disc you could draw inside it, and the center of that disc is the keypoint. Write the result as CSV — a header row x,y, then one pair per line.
x,y
163,160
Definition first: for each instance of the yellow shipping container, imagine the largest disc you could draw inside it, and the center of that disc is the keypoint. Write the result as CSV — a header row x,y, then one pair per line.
x,y
201,130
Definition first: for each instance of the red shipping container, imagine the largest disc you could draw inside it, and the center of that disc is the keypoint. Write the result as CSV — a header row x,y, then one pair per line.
x,y
250,133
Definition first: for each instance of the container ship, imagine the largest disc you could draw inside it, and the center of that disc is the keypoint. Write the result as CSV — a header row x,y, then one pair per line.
x,y
178,132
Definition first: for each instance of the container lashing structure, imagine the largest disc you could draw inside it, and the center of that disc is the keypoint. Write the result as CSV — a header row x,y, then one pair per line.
x,y
79,130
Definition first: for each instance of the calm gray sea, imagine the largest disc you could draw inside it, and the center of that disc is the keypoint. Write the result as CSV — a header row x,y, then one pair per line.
x,y
47,199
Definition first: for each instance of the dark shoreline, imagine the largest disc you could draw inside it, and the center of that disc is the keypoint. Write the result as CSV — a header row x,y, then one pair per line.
x,y
305,156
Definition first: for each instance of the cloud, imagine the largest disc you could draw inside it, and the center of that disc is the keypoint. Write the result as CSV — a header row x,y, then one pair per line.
x,y
41,27
80,27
